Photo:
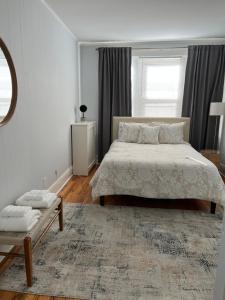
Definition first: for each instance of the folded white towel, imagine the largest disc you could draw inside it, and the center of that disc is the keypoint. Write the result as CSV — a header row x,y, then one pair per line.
x,y
39,192
6,226
20,224
15,211
36,195
45,203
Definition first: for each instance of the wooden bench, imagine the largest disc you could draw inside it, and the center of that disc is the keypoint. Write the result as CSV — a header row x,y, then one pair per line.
x,y
30,240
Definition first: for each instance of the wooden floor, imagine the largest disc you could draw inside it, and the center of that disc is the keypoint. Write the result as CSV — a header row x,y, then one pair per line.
x,y
77,190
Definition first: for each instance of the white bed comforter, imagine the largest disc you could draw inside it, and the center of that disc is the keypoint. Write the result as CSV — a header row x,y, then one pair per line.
x,y
157,171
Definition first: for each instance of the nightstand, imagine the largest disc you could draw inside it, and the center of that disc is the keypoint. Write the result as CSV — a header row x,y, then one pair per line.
x,y
214,157
84,147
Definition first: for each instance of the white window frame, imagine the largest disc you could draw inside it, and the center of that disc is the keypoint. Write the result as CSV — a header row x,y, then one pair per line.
x,y
138,101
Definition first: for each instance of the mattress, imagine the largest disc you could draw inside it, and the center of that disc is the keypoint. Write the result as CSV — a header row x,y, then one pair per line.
x,y
163,171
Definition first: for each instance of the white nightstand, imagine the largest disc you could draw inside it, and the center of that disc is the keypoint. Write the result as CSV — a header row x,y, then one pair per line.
x,y
83,147
214,157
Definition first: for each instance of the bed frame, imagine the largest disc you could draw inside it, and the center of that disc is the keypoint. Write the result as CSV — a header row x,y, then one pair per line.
x,y
115,127
117,120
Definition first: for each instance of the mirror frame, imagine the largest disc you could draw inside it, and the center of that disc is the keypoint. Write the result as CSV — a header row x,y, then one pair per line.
x,y
14,83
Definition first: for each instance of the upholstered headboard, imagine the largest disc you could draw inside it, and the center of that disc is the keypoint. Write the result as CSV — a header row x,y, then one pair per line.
x,y
116,121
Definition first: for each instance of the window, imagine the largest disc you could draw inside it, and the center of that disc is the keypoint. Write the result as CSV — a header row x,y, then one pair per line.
x,y
158,84
5,87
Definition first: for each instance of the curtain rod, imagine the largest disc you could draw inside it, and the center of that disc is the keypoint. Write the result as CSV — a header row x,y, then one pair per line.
x,y
168,56
152,48
159,48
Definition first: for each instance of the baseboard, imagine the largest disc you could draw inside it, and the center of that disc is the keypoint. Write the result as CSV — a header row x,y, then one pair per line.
x,y
57,186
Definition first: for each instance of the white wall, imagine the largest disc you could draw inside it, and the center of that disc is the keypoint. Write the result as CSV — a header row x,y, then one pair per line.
x,y
89,80
36,141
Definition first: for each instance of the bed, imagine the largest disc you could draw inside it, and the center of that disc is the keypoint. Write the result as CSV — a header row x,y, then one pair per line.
x,y
166,171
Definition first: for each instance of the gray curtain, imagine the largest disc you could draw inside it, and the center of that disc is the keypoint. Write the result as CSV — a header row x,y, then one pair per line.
x,y
114,69
204,82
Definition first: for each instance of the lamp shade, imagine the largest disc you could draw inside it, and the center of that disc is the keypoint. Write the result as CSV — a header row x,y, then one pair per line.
x,y
217,109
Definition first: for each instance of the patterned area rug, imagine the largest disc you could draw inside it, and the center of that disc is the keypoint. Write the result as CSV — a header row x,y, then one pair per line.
x,y
122,253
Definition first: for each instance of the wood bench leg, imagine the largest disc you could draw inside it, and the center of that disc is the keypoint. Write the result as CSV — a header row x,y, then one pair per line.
x,y
213,208
102,202
28,259
60,208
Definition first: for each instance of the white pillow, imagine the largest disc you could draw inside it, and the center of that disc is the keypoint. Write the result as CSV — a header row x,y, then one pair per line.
x,y
171,133
148,134
128,132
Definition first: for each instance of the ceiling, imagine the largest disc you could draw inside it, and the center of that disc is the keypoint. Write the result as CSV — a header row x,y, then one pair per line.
x,y
141,20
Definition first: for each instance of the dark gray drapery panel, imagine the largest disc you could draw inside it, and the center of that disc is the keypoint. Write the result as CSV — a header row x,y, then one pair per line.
x,y
204,82
114,69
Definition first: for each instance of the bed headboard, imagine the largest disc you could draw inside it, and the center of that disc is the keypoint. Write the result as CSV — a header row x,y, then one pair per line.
x,y
116,121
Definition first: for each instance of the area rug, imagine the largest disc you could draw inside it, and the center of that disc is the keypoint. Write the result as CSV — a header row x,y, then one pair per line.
x,y
124,253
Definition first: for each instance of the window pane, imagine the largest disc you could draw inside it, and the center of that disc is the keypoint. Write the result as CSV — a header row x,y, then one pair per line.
x,y
157,85
5,88
5,82
160,110
161,81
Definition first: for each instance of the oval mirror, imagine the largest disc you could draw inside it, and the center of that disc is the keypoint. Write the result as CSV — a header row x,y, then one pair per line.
x,y
8,85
